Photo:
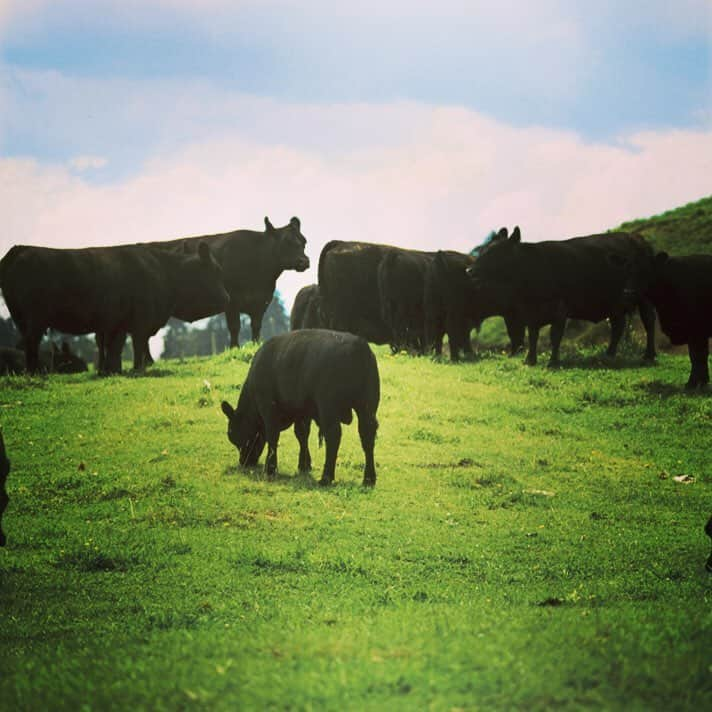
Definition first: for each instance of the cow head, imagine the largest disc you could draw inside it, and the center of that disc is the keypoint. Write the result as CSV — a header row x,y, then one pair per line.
x,y
245,433
290,244
497,271
641,275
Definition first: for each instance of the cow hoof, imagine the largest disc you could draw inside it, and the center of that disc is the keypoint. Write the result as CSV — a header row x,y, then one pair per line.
x,y
369,482
323,482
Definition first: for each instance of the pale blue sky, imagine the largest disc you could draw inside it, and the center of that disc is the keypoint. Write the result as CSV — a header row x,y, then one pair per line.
x,y
416,123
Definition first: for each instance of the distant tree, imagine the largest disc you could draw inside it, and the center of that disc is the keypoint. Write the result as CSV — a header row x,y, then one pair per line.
x,y
182,340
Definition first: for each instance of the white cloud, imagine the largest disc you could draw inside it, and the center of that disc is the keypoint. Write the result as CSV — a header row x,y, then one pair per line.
x,y
85,163
430,178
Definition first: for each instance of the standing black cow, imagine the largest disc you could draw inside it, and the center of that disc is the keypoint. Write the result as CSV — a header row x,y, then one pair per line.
x,y
681,290
349,287
4,472
306,312
108,290
312,374
401,282
452,308
56,360
251,262
549,282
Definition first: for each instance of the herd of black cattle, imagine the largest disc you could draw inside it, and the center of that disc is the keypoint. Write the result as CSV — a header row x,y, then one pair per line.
x,y
323,369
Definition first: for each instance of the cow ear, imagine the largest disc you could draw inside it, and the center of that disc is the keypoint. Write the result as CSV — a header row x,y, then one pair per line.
x,y
516,235
204,252
228,410
268,225
294,222
502,234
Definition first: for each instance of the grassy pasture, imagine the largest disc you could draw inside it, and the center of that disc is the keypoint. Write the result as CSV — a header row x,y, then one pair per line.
x,y
526,545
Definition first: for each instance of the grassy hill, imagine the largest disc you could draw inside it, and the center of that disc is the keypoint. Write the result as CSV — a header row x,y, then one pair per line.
x,y
681,231
527,545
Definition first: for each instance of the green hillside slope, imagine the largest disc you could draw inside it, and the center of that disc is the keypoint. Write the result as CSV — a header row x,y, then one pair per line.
x,y
681,231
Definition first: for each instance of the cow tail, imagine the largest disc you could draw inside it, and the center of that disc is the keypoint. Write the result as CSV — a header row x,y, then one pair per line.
x,y
324,287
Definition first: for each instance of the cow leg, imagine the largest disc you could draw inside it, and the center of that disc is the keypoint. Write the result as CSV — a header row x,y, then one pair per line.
x,y
32,348
256,324
114,347
515,331
698,349
555,335
530,360
367,427
647,316
272,437
617,326
100,337
232,316
147,358
332,436
301,430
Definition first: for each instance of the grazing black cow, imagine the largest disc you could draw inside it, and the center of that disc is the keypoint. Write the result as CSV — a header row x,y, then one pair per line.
x,y
708,531
550,282
311,374
306,312
401,282
680,288
349,288
108,290
4,472
251,262
56,360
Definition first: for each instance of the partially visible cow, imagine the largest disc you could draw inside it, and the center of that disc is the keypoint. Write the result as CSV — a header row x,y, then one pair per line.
x,y
550,282
401,283
108,290
681,290
306,312
311,374
350,293
251,262
56,360
4,472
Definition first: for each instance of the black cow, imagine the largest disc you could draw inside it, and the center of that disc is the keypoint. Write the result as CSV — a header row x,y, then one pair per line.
x,y
549,282
306,312
311,374
401,282
451,306
681,290
56,360
251,262
348,284
108,290
4,472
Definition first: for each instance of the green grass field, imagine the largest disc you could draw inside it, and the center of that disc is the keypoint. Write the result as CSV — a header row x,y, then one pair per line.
x,y
526,545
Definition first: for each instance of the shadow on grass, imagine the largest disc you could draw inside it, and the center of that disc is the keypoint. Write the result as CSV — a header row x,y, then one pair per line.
x,y
668,389
297,481
595,362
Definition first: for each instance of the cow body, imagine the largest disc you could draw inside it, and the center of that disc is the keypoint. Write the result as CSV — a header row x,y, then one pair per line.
x,y
312,374
401,283
349,288
550,282
108,290
251,262
56,360
680,288
4,472
306,312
